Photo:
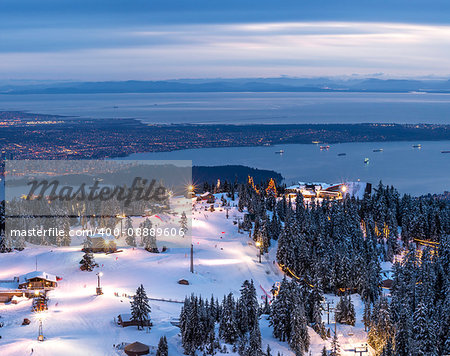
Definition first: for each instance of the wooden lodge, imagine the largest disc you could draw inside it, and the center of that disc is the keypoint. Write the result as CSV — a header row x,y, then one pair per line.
x,y
38,280
210,198
125,320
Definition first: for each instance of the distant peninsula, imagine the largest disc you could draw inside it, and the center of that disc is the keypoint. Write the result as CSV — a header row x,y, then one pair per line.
x,y
34,136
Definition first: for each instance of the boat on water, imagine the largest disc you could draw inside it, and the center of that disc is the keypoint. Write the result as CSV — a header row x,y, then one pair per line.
x,y
366,160
280,152
447,151
417,146
342,154
378,150
327,147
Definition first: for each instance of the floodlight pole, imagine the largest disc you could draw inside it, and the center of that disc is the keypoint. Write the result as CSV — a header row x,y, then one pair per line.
x,y
99,288
41,332
192,259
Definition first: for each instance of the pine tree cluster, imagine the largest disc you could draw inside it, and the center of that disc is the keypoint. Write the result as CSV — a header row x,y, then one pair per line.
x,y
238,321
289,317
345,311
87,263
416,321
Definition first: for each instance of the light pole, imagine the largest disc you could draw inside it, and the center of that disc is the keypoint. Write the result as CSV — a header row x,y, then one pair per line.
x,y
121,217
258,244
41,332
327,309
99,288
192,259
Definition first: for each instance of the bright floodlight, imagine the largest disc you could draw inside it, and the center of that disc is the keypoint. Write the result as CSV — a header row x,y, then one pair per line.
x,y
344,188
258,243
190,188
100,274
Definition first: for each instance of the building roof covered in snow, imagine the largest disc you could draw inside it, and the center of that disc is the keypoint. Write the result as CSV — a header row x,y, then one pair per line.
x,y
37,274
105,237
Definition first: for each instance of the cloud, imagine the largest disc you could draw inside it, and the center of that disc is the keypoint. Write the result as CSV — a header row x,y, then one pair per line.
x,y
161,51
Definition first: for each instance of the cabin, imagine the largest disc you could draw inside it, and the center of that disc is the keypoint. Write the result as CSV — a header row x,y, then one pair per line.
x,y
210,198
125,320
99,244
38,280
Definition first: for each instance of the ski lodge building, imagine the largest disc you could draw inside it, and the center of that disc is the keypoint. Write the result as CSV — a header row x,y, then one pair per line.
x,y
327,191
38,280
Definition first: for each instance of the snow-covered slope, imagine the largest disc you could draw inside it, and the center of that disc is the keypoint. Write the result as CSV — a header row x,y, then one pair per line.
x,y
80,323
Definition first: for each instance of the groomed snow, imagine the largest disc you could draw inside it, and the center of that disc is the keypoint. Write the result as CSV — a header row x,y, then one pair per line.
x,y
80,323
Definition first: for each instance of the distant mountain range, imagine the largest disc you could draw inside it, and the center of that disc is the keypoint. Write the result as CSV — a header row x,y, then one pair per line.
x,y
282,84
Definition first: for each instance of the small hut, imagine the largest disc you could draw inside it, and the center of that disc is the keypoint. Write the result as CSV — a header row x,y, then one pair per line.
x,y
210,198
136,348
125,320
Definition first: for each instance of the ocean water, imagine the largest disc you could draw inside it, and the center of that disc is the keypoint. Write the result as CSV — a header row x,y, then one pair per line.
x,y
238,108
410,170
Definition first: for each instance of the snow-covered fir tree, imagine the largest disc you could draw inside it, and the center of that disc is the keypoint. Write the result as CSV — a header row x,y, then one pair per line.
x,y
184,223
87,263
130,238
163,348
148,237
228,329
140,308
345,313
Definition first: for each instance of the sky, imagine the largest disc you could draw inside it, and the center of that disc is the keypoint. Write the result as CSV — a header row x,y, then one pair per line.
x,y
96,40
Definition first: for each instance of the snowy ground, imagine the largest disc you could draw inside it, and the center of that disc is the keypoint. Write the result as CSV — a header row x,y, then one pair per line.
x,y
80,323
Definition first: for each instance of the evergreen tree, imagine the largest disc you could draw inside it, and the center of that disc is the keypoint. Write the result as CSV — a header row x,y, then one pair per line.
x,y
366,315
281,312
184,223
87,262
247,309
299,340
424,339
402,334
388,348
228,329
335,347
163,348
148,238
66,240
140,309
211,343
345,313
129,232
381,325
254,347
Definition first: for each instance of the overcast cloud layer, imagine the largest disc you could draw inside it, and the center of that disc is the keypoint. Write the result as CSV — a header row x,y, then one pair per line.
x,y
120,40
